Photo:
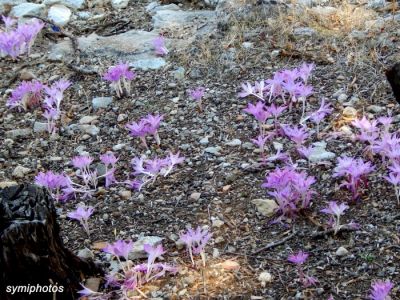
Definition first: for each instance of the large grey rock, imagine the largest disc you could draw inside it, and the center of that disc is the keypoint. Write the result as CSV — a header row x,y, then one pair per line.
x,y
27,8
74,4
153,7
183,23
146,62
59,14
134,46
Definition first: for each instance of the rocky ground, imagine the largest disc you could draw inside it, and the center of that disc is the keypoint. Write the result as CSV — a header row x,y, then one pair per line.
x,y
218,45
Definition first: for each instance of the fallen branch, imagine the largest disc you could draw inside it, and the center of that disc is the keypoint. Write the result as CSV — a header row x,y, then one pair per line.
x,y
277,243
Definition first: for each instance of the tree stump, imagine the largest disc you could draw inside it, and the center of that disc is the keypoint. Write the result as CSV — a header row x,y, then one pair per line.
x,y
393,76
33,258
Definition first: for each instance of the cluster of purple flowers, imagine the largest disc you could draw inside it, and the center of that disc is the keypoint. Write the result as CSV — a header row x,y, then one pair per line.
x,y
386,144
288,85
147,170
17,41
30,94
131,278
146,126
291,189
61,186
120,78
355,172
195,241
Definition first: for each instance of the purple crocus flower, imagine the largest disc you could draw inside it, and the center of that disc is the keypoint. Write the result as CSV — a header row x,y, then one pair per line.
x,y
247,89
299,258
119,248
152,125
304,71
108,159
153,253
54,183
120,76
196,241
380,290
82,214
336,211
82,162
296,134
139,129
321,113
27,95
197,95
354,171
159,46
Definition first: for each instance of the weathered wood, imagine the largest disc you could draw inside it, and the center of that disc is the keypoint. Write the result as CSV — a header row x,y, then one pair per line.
x,y
31,250
393,76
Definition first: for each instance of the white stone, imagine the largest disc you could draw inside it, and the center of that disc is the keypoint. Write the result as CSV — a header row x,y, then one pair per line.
x,y
342,98
264,278
319,153
74,4
233,143
101,102
342,251
85,253
213,150
5,184
374,4
27,8
217,223
195,196
93,130
59,14
118,4
204,141
87,119
20,172
266,207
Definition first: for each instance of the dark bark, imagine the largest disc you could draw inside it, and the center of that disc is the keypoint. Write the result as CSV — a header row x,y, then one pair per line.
x,y
31,249
393,76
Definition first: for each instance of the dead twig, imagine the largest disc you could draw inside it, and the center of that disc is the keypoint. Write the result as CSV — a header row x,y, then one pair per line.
x,y
277,243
